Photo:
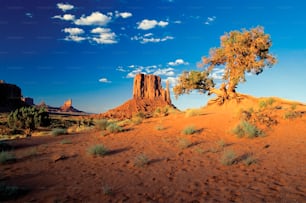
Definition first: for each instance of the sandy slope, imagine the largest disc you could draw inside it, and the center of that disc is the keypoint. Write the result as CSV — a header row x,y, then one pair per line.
x,y
194,174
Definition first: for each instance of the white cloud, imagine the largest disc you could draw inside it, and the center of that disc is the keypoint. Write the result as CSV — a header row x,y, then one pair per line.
x,y
73,31
177,62
148,38
165,72
210,20
177,22
104,80
105,36
120,69
149,24
30,15
64,7
74,38
66,17
172,80
124,14
133,73
96,18
217,74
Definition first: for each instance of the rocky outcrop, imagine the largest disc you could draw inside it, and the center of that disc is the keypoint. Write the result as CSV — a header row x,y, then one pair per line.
x,y
10,97
148,94
67,105
149,87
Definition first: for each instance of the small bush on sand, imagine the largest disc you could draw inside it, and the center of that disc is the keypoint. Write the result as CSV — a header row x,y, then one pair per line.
x,y
189,130
193,112
291,115
66,141
101,124
58,131
228,158
6,157
221,143
184,143
114,128
141,160
98,150
249,160
160,127
137,120
107,190
245,128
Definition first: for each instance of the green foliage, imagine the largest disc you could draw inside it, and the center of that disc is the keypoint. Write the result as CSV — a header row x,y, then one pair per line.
x,y
114,128
66,141
291,115
141,160
101,124
58,131
189,130
28,118
245,128
163,111
193,112
249,160
98,150
265,103
6,157
228,158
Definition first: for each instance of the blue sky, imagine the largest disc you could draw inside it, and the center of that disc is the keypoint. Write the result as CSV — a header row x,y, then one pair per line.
x,y
90,50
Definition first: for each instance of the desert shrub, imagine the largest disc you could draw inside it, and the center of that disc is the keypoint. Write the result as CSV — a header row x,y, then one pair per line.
x,y
291,115
270,101
244,128
141,160
28,118
160,127
6,157
66,141
184,143
193,112
228,158
249,160
189,130
10,192
124,122
265,103
58,131
221,143
293,107
98,150
114,128
101,124
137,120
163,111
107,190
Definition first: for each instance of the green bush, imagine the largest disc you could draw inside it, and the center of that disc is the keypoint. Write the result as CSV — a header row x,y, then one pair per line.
x,y
28,118
189,130
58,131
101,124
193,112
141,160
98,150
249,160
245,128
228,158
291,115
6,157
114,128
184,143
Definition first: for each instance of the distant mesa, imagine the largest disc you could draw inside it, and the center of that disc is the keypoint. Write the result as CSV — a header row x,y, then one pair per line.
x,y
148,95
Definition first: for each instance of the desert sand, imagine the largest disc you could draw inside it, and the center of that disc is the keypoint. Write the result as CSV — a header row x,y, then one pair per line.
x,y
181,168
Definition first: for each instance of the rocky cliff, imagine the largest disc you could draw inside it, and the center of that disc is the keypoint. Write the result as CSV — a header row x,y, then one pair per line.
x,y
148,94
10,97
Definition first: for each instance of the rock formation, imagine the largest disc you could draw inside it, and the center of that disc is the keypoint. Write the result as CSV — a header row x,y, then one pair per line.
x,y
67,105
149,87
10,97
148,95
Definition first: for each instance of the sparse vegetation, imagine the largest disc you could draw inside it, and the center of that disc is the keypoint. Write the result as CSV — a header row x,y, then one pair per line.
x,y
249,160
244,128
101,124
228,158
141,160
107,190
189,130
184,143
160,127
291,115
221,143
193,112
58,131
114,128
266,103
6,157
98,150
66,141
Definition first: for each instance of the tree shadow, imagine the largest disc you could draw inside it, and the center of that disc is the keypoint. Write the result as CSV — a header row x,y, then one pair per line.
x,y
117,151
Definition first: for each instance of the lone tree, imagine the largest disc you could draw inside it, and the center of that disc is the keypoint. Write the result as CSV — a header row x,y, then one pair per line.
x,y
240,52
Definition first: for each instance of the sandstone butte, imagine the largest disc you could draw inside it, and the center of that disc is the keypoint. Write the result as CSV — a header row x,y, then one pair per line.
x,y
148,94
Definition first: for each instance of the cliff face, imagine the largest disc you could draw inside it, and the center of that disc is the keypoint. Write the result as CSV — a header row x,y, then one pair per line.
x,y
148,94
10,97
149,87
